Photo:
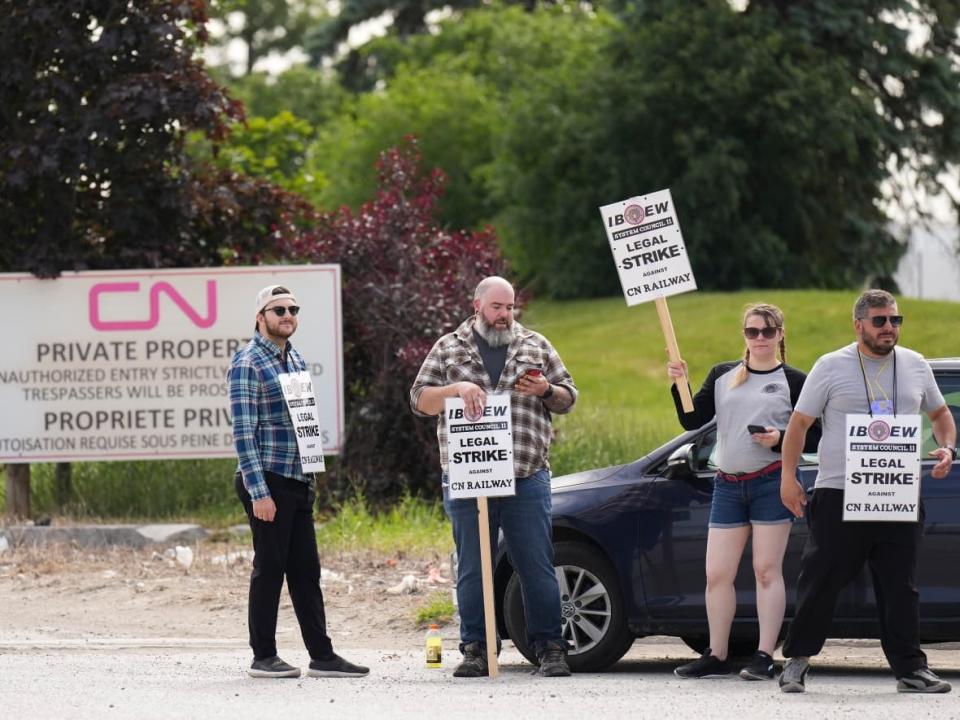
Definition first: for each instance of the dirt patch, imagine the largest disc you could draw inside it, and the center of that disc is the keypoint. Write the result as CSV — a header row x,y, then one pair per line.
x,y
64,593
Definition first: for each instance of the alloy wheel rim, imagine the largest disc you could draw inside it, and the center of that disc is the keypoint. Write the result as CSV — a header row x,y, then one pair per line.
x,y
585,611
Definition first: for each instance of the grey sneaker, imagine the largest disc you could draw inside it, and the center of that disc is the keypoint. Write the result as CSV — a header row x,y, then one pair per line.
x,y
707,665
794,676
922,681
553,661
474,662
336,666
760,667
272,667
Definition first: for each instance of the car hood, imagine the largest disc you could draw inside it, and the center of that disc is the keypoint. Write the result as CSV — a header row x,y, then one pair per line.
x,y
598,476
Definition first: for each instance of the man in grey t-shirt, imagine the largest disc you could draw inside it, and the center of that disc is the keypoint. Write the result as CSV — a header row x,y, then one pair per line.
x,y
870,376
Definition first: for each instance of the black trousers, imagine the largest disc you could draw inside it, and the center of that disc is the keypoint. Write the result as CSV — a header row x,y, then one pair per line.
x,y
286,547
834,554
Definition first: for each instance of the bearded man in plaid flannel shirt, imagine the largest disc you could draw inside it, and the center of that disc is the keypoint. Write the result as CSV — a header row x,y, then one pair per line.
x,y
492,353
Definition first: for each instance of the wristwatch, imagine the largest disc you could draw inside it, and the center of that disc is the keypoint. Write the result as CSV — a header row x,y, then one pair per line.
x,y
549,393
952,449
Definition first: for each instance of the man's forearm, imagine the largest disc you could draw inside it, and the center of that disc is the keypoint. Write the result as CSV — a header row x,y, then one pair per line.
x,y
944,428
431,399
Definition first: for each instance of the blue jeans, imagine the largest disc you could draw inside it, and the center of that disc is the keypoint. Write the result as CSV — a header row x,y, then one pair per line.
x,y
525,521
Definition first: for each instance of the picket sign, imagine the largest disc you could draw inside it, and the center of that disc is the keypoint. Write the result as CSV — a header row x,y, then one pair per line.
x,y
480,465
652,261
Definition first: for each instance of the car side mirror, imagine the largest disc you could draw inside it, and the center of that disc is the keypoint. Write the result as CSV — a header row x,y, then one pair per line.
x,y
681,462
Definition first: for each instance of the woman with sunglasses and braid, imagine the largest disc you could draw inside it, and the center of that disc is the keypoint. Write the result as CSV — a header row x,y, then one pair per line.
x,y
752,400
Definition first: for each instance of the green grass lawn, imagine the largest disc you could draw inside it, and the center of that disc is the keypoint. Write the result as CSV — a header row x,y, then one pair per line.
x,y
617,356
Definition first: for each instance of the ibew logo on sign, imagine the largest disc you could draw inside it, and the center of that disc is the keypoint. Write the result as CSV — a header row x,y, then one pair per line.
x,y
155,290
635,214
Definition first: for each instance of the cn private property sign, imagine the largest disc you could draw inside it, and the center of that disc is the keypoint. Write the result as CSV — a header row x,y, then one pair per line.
x,y
126,365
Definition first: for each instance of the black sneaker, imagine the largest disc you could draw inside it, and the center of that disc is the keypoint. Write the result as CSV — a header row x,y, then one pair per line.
x,y
706,666
272,667
793,679
474,662
922,681
336,666
553,661
760,667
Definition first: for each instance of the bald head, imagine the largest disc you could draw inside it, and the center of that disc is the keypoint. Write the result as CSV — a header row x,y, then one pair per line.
x,y
489,283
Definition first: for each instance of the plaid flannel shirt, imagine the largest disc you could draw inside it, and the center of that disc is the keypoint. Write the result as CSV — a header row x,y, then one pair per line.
x,y
455,358
263,432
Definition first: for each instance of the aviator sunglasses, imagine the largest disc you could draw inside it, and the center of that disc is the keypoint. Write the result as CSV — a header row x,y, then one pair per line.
x,y
752,333
281,311
878,321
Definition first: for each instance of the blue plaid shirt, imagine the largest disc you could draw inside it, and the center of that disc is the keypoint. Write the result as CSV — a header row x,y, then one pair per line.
x,y
263,432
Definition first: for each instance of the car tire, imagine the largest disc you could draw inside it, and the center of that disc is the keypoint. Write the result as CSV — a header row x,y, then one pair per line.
x,y
611,638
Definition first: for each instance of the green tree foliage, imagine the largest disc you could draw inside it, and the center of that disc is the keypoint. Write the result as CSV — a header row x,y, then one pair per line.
x,y
450,90
904,57
308,94
772,160
454,114
274,148
96,99
267,25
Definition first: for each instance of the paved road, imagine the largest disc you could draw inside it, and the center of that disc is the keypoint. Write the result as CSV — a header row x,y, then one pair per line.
x,y
147,678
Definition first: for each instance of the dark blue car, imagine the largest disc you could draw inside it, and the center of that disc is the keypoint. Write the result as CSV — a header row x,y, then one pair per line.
x,y
630,542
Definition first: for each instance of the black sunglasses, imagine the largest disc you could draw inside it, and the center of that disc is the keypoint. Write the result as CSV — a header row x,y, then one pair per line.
x,y
752,333
878,321
280,310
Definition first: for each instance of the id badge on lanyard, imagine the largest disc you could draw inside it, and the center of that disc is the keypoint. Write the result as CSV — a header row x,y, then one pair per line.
x,y
302,405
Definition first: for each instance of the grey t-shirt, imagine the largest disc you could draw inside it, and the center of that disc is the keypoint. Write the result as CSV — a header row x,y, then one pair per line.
x,y
835,388
765,398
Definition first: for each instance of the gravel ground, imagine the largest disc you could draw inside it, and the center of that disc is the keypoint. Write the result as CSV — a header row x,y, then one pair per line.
x,y
134,634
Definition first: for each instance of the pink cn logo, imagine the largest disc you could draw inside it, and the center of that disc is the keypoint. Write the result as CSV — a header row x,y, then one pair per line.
x,y
155,290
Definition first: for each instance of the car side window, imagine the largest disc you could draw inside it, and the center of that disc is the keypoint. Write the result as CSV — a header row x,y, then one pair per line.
x,y
706,452
950,387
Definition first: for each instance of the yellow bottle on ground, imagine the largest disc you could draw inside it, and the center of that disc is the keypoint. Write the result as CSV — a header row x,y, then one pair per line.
x,y
434,647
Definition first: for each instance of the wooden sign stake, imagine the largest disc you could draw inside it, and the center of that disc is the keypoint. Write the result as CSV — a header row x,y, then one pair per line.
x,y
666,324
486,572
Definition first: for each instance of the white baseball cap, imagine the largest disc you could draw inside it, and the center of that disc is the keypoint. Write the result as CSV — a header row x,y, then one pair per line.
x,y
267,296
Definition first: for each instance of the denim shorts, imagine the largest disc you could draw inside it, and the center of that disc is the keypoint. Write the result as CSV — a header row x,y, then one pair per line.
x,y
748,502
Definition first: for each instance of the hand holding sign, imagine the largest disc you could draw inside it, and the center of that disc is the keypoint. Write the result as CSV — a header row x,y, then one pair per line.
x,y
474,399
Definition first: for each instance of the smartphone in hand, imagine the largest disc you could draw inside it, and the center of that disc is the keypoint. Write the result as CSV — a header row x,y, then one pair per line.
x,y
752,429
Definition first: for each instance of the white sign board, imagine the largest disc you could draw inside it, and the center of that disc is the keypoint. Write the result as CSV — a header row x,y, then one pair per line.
x,y
480,451
883,468
648,248
127,365
302,406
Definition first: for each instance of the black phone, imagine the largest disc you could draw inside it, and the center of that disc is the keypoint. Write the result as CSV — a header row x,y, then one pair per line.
x,y
756,429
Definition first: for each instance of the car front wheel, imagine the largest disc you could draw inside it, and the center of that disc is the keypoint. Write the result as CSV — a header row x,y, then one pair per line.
x,y
593,619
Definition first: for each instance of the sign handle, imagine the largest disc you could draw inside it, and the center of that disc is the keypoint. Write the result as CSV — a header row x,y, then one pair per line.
x,y
666,324
486,572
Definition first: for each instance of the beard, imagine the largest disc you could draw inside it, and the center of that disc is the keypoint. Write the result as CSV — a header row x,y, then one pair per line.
x,y
874,345
494,336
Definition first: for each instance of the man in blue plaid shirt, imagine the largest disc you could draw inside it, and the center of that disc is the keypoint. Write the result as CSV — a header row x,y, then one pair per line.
x,y
277,496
